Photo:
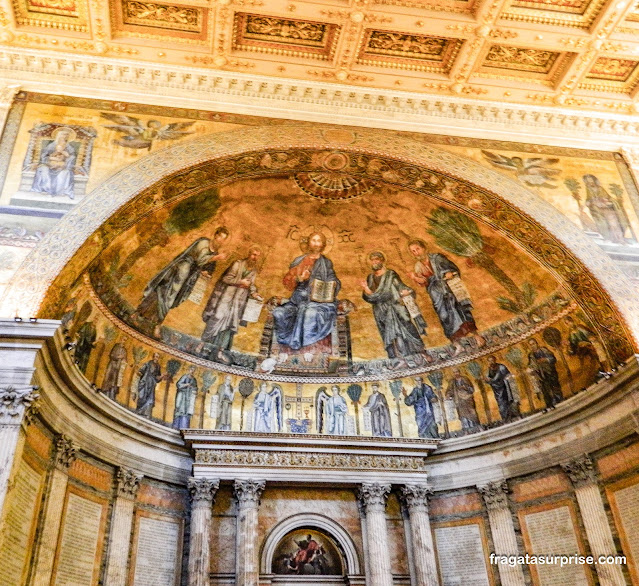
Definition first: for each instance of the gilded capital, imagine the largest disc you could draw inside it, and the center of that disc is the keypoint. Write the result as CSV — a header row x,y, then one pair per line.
x,y
15,403
248,492
65,452
495,495
202,490
581,471
374,495
127,483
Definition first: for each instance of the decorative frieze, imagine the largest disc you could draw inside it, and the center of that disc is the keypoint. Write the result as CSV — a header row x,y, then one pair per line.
x,y
309,460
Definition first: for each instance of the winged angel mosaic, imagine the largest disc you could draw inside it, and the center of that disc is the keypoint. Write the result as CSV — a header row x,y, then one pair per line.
x,y
136,135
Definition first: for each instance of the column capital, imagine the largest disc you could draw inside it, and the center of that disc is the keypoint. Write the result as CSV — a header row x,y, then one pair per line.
x,y
15,404
65,452
416,495
581,471
495,495
372,494
248,492
202,490
127,483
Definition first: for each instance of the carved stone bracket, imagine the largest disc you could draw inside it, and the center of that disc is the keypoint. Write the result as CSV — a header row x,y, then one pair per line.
x,y
373,495
127,483
15,404
7,94
202,490
65,452
581,471
248,492
495,495
416,495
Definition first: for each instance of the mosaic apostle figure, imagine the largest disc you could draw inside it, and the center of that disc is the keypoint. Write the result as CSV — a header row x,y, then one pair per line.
x,y
420,398
503,385
542,363
150,375
380,413
175,282
185,399
461,391
114,370
333,409
226,304
385,291
87,335
302,321
437,273
225,394
267,409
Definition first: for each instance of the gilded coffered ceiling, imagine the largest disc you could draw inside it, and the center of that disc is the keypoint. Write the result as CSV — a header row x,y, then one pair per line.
x,y
572,53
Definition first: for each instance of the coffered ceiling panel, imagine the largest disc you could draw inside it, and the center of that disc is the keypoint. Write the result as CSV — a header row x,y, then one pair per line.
x,y
405,51
283,36
564,53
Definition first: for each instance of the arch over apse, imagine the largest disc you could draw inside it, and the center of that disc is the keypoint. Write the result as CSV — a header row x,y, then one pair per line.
x,y
504,204
308,520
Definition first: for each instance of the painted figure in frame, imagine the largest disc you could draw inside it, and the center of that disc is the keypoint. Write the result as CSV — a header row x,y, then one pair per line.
x,y
225,307
308,317
420,398
502,383
115,370
450,299
175,282
542,364
55,171
185,399
607,212
461,391
150,375
332,409
380,413
225,396
267,409
386,292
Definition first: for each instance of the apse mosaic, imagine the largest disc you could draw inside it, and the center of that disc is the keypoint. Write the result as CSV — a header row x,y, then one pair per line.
x,y
257,306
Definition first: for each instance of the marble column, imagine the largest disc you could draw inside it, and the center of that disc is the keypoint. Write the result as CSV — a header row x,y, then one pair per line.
x,y
415,499
19,345
202,496
247,566
127,485
64,456
502,530
373,497
582,474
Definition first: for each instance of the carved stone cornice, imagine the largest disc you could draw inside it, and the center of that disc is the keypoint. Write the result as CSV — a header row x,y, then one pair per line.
x,y
202,490
415,496
248,492
15,404
581,471
373,495
65,452
495,495
127,483
40,70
